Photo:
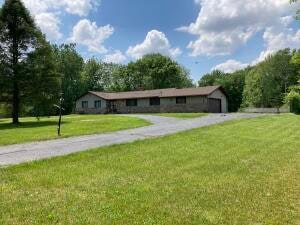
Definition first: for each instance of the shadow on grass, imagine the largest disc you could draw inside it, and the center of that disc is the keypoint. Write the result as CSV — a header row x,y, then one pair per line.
x,y
30,124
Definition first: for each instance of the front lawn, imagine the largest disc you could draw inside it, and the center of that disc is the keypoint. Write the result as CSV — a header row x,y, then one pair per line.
x,y
238,173
182,115
74,125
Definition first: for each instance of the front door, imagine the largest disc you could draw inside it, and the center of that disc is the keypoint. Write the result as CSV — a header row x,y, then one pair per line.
x,y
111,107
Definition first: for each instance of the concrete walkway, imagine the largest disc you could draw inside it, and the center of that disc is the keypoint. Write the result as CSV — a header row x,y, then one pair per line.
x,y
15,154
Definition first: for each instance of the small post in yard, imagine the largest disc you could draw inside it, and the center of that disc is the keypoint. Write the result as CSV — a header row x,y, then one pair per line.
x,y
60,113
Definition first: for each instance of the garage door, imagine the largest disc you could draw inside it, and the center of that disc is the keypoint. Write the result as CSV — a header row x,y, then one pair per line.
x,y
214,105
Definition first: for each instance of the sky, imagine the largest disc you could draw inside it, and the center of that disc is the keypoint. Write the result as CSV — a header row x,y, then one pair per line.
x,y
201,35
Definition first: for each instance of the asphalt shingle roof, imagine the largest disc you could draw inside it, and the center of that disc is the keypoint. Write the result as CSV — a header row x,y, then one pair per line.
x,y
162,93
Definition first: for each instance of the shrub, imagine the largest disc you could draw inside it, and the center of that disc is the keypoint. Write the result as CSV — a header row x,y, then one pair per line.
x,y
293,98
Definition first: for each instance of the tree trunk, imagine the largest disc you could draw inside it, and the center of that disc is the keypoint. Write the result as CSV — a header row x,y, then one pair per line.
x,y
16,101
16,92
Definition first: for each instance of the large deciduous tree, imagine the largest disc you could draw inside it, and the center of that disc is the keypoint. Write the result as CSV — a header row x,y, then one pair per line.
x,y
18,37
267,84
70,65
153,71
98,75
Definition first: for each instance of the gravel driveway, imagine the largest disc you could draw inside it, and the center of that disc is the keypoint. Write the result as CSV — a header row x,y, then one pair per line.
x,y
15,154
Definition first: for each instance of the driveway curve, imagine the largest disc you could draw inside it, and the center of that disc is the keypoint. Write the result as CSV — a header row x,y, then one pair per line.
x,y
161,126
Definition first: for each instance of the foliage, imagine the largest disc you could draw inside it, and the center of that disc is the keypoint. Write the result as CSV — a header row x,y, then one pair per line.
x,y
241,172
293,99
43,82
18,37
232,83
98,76
212,78
29,129
70,65
298,12
267,83
153,71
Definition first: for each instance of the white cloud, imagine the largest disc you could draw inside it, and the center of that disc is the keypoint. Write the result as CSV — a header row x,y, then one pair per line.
x,y
46,13
49,24
224,25
87,33
76,7
36,7
155,42
230,66
115,57
276,40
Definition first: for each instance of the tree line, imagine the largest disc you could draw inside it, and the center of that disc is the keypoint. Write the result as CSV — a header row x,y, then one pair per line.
x,y
266,84
34,74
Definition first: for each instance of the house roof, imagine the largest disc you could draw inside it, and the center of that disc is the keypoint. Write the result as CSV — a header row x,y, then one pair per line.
x,y
162,93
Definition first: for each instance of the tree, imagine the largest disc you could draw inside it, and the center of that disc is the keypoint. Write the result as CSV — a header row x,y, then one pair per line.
x,y
232,83
98,76
44,81
211,79
70,65
18,37
293,98
234,86
153,71
269,81
298,12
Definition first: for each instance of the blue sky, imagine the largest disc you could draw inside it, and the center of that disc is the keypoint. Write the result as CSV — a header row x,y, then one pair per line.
x,y
199,34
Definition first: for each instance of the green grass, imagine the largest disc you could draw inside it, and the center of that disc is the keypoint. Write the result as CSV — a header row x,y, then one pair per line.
x,y
74,125
182,115
238,173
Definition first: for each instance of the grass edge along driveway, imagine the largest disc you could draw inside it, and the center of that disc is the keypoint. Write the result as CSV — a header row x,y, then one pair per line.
x,y
240,172
182,115
30,129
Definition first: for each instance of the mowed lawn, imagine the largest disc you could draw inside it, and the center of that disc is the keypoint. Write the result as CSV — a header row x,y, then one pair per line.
x,y
241,172
182,115
74,125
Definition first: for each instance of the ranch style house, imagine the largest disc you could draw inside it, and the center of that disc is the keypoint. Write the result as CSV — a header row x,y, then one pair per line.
x,y
211,99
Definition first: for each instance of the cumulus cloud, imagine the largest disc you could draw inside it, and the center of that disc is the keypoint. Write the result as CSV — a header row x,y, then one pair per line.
x,y
230,66
76,7
155,42
224,25
276,40
87,33
49,24
115,57
46,13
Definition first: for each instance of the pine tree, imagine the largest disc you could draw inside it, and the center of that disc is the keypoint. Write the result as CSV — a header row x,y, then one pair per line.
x,y
18,37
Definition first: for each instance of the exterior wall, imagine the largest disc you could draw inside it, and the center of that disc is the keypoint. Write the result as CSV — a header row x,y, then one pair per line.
x,y
143,106
193,104
219,95
91,107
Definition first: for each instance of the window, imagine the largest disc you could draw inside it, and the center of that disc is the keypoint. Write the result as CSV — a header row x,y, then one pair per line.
x,y
181,100
97,104
154,101
84,104
131,102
